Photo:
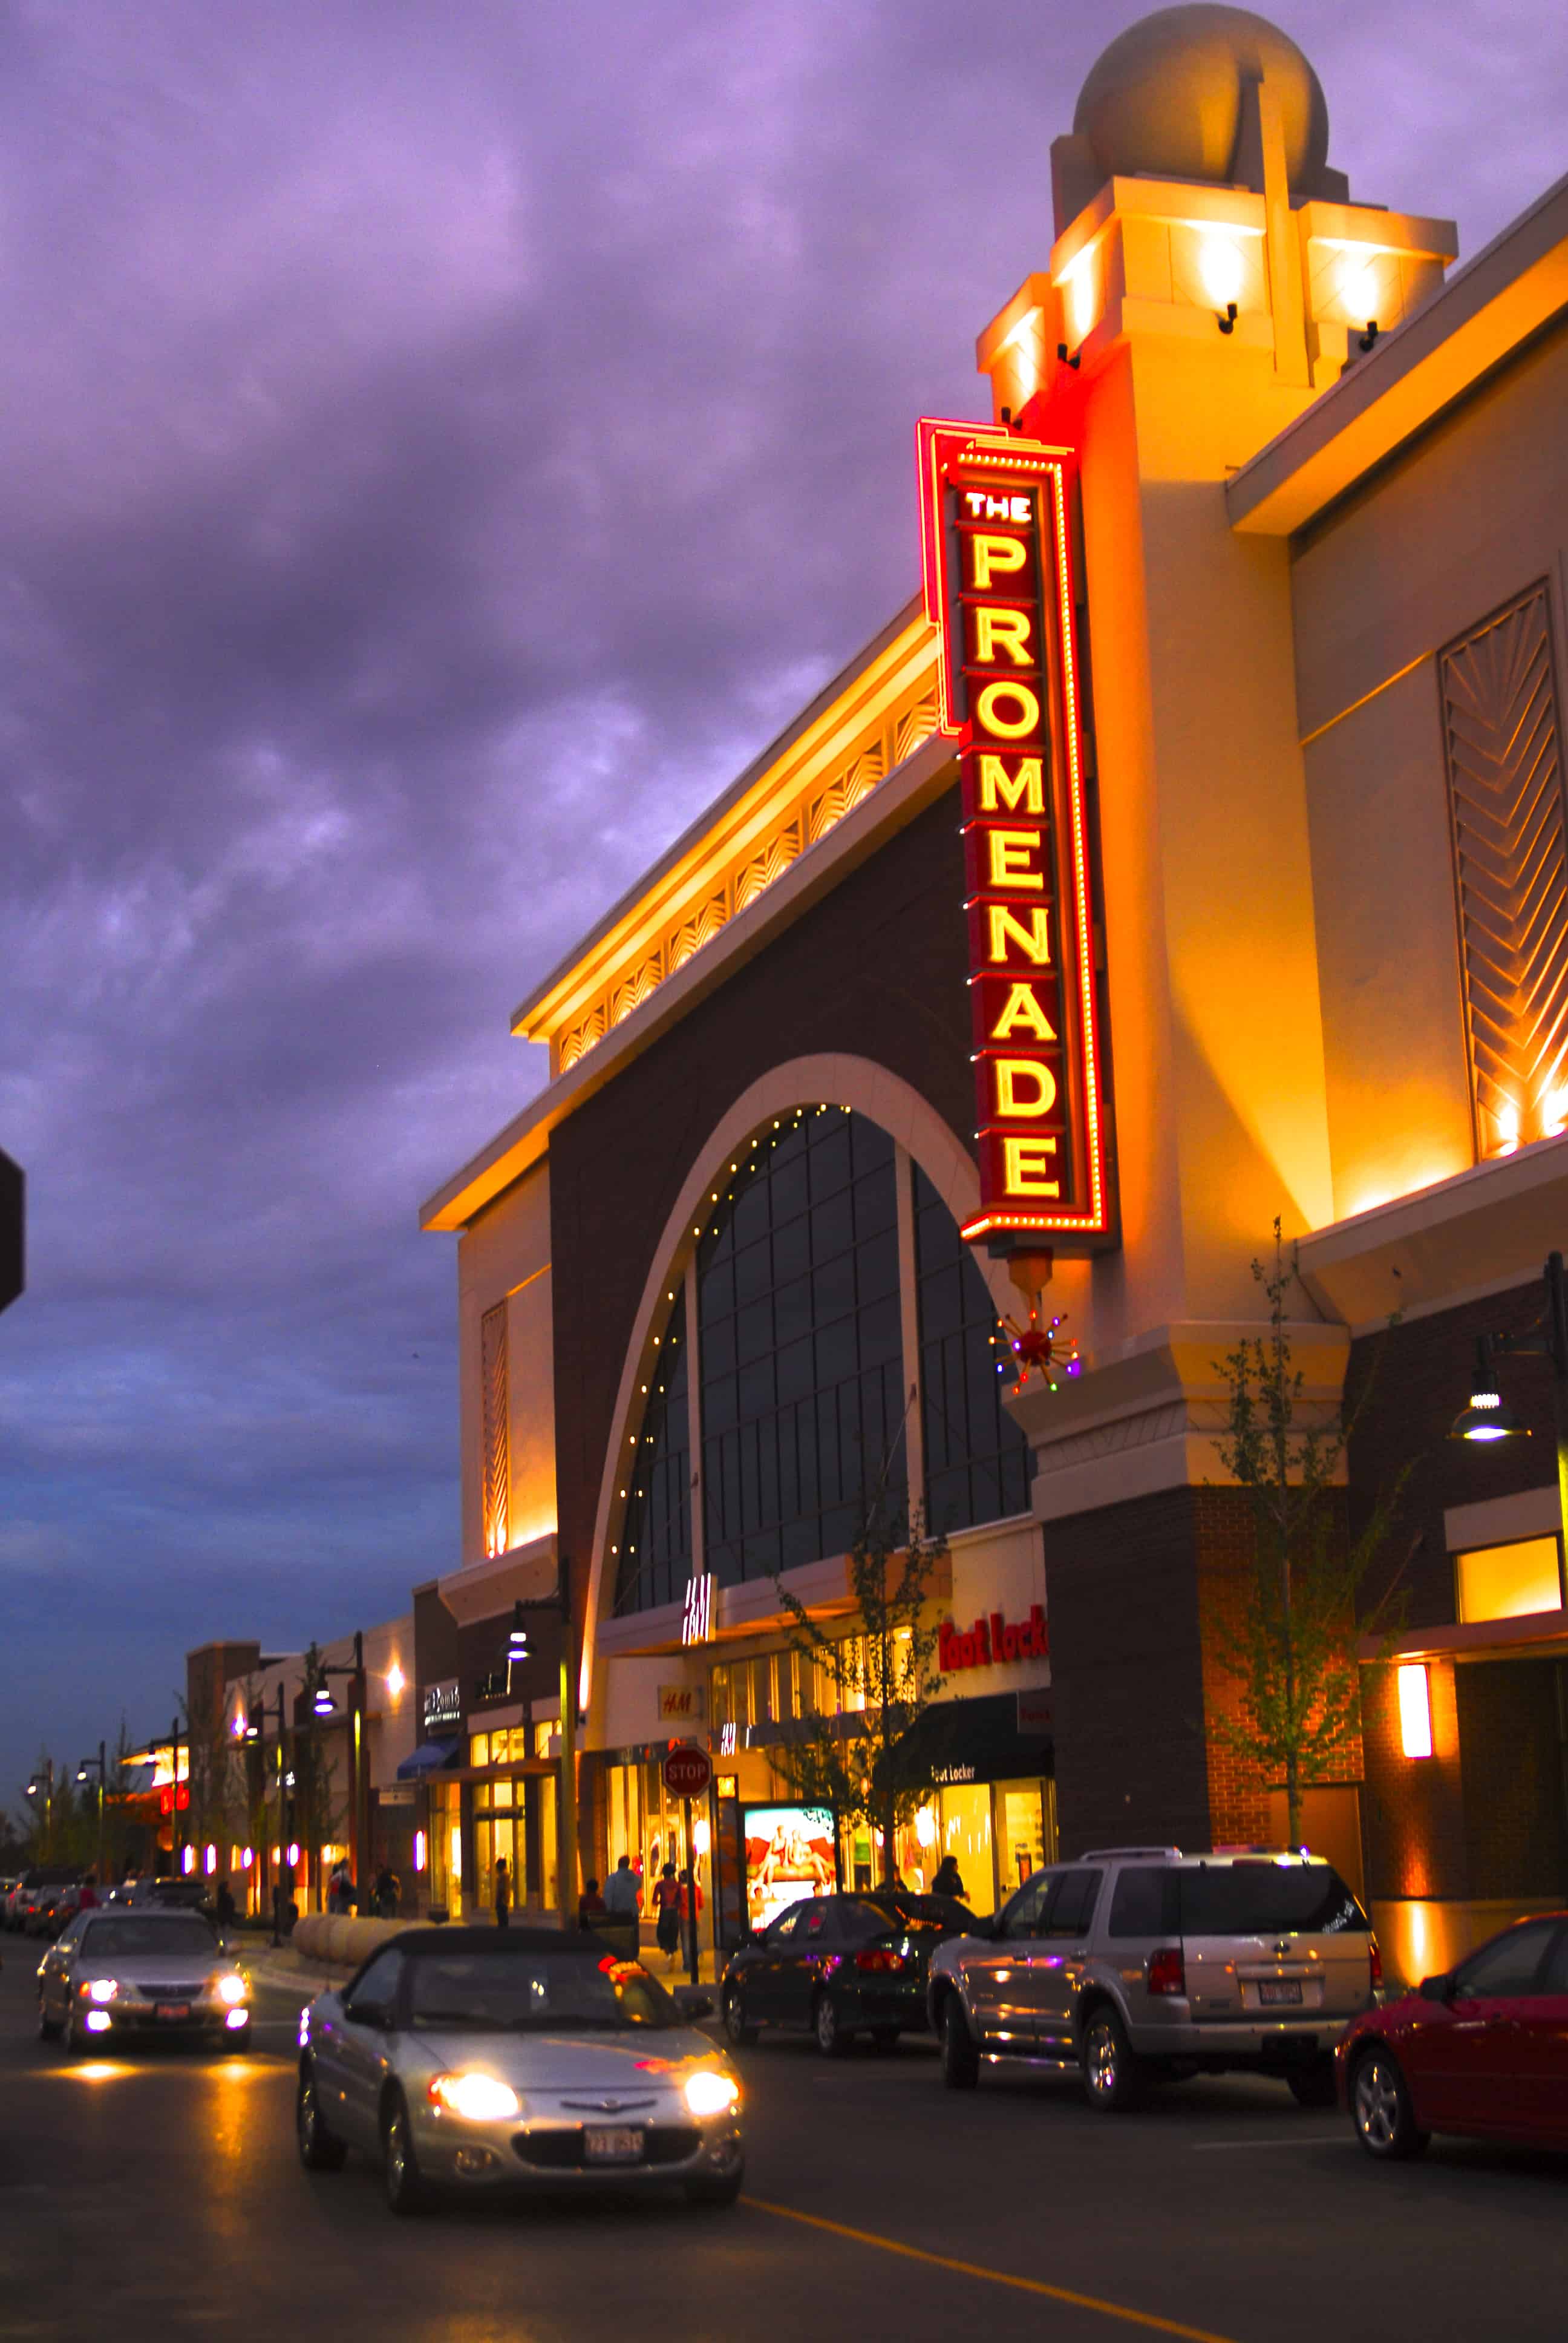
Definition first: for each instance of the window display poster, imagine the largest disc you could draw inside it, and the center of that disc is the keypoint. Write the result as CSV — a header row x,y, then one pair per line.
x,y
790,1853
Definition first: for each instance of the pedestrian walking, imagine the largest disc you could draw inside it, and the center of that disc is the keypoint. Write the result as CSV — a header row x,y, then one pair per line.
x,y
667,1904
591,1904
502,1894
387,1893
948,1881
623,1894
224,1905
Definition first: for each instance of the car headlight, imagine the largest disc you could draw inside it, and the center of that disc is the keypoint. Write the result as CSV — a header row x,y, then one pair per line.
x,y
98,1989
477,2098
709,2093
231,1989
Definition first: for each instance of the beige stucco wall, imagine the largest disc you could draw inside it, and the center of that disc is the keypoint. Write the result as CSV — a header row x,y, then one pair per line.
x,y
504,1255
1210,933
1474,512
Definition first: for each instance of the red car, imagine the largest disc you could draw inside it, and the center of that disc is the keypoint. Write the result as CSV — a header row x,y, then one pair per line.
x,y
1483,2050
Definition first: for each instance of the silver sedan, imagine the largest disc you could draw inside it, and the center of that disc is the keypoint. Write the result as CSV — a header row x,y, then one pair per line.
x,y
114,1974
482,2059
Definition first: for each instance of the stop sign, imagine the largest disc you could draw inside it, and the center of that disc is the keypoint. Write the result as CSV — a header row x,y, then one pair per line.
x,y
686,1772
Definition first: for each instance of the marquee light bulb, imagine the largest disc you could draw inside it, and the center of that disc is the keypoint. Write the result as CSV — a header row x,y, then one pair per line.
x,y
1221,266
1359,291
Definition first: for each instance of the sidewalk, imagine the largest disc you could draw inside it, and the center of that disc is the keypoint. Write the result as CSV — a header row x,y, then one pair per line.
x,y
281,1965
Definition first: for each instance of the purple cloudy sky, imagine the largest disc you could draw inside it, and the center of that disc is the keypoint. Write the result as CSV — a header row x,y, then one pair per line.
x,y
438,447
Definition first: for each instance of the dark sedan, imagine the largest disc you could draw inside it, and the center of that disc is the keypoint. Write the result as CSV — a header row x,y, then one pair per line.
x,y
839,1966
1482,2049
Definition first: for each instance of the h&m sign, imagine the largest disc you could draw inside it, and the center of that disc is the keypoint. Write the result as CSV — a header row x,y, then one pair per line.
x,y
997,544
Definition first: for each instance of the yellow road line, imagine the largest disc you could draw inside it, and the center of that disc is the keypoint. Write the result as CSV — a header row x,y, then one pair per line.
x,y
991,2277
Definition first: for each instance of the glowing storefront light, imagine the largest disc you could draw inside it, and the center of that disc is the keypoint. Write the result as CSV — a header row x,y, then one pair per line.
x,y
456,1853
418,1850
1414,1711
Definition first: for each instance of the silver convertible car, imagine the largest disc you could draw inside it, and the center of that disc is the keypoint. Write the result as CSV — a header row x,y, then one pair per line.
x,y
487,2058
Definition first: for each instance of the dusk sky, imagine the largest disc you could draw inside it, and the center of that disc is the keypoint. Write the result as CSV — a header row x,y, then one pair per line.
x,y
440,447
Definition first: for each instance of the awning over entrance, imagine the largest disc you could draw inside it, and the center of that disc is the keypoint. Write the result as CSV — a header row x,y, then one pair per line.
x,y
957,1741
429,1758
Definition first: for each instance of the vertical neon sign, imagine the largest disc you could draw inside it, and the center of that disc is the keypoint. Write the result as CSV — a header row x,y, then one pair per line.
x,y
996,560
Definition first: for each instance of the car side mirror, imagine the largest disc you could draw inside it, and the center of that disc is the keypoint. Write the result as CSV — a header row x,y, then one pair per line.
x,y
693,2002
1437,1989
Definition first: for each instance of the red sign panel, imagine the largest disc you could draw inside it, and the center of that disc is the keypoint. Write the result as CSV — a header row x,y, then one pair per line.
x,y
996,538
686,1772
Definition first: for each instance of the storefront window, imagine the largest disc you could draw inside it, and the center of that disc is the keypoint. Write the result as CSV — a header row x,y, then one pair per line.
x,y
977,1458
800,1345
964,1810
656,1537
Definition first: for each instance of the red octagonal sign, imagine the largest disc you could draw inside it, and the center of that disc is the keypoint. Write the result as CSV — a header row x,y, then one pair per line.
x,y
686,1772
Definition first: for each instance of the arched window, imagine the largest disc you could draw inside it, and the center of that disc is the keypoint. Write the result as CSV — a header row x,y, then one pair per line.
x,y
656,1538
977,1458
799,1346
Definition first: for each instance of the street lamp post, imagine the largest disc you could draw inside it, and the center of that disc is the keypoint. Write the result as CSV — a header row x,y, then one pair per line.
x,y
175,1737
47,1779
1488,1418
85,1771
560,1602
323,1706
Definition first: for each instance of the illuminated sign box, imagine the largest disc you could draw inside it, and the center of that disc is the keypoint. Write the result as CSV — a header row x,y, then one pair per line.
x,y
997,559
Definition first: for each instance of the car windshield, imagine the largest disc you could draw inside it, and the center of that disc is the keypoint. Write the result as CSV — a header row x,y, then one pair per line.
x,y
1265,1899
531,1992
127,1939
916,1914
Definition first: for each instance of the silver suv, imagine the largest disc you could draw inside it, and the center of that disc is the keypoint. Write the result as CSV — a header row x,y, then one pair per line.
x,y
1142,1962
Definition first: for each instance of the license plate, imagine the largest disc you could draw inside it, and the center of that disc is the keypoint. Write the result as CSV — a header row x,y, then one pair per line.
x,y
1283,1990
602,2144
171,2011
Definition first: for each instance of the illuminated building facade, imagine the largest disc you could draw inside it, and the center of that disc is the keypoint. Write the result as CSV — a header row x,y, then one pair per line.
x,y
1295,500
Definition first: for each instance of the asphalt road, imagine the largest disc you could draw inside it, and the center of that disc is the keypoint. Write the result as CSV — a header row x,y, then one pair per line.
x,y
161,2198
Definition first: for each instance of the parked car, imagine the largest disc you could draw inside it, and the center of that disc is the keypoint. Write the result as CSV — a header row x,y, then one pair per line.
x,y
1482,2050
492,2059
119,1973
173,1894
839,1966
1141,1964
38,1895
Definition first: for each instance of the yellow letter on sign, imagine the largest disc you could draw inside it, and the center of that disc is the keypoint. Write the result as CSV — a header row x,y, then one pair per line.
x,y
994,556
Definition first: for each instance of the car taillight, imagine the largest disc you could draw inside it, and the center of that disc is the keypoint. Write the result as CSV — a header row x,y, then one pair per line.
x,y
879,1956
1376,1951
1166,1971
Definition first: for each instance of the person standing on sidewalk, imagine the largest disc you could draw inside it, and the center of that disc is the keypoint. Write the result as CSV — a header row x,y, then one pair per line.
x,y
502,1894
667,1904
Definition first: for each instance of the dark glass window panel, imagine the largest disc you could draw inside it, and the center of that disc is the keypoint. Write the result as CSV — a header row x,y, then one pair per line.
x,y
792,1312
787,1183
977,1458
882,1330
833,1289
654,1559
791,1250
754,1332
871,1149
753,1271
717,1289
797,1374
718,1346
876,1205
836,1352
720,1402
833,1227
877,1266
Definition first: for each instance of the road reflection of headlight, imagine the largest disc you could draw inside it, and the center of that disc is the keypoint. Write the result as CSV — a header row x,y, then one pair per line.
x,y
709,2093
231,1989
477,2098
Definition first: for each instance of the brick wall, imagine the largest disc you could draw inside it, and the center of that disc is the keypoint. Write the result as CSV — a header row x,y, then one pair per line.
x,y
1127,1675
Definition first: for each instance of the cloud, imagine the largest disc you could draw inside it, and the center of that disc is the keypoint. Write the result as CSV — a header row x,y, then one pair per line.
x,y
438,449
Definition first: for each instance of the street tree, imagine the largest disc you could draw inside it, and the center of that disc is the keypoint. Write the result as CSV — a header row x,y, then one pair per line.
x,y
863,1688
1291,1643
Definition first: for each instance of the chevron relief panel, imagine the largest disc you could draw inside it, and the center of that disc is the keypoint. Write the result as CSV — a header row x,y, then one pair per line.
x,y
1503,747
495,1492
